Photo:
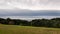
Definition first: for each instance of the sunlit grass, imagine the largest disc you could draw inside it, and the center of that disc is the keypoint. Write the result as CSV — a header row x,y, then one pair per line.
x,y
15,29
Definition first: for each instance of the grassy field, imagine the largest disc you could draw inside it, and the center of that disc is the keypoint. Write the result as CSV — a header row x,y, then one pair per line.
x,y
14,29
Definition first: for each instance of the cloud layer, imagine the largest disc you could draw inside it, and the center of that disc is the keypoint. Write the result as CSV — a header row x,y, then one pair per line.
x,y
30,4
29,13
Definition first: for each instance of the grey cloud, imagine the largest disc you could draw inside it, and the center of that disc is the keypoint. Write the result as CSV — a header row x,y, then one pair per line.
x,y
29,13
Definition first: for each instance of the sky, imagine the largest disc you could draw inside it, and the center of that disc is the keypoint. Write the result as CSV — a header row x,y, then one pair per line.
x,y
30,4
30,8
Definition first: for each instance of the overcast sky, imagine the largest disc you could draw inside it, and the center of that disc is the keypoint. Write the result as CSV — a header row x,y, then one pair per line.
x,y
30,8
30,4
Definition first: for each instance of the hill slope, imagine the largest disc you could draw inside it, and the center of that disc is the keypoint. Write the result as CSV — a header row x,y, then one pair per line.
x,y
14,29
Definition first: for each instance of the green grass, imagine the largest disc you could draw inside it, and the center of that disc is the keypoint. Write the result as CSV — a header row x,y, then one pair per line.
x,y
14,29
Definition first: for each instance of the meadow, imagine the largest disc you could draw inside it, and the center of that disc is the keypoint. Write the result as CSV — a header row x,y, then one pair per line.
x,y
16,29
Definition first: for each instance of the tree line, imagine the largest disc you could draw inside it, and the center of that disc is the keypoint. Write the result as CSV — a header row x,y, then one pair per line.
x,y
54,22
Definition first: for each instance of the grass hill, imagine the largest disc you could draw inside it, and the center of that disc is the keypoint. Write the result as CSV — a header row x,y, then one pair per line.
x,y
15,29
